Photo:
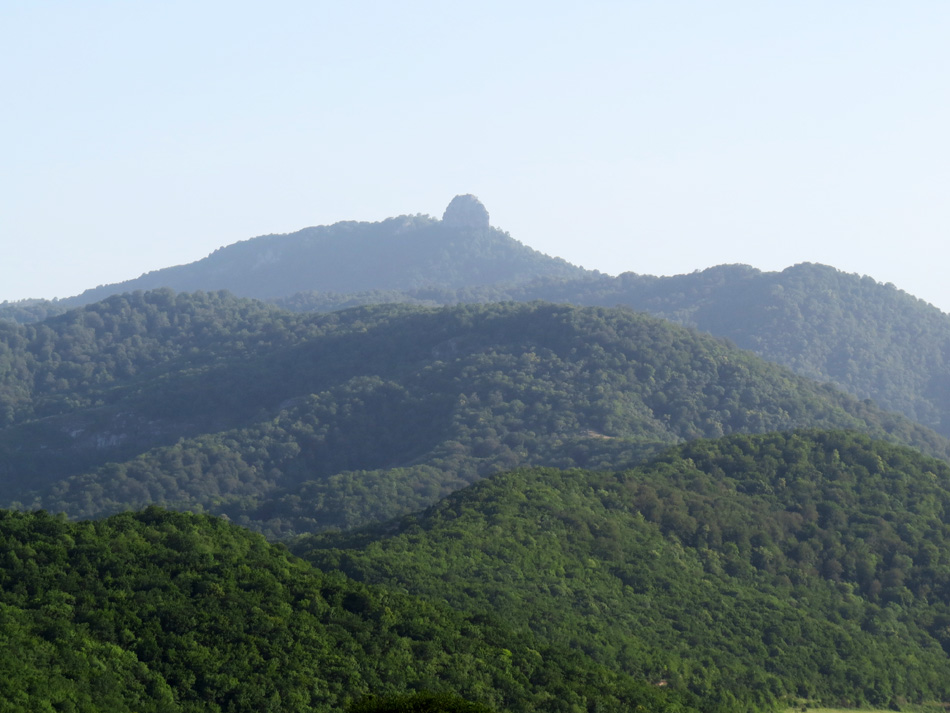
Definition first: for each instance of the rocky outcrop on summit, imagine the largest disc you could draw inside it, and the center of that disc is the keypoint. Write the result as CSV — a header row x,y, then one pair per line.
x,y
466,211
402,253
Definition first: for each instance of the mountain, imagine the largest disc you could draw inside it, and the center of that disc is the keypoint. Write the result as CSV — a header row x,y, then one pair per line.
x,y
395,254
753,570
292,423
172,613
685,546
870,339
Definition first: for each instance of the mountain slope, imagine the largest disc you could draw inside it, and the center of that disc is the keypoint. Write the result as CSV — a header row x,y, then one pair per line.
x,y
813,565
179,613
395,254
740,574
291,423
870,339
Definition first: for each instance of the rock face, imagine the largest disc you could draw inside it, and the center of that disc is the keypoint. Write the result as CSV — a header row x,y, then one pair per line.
x,y
466,212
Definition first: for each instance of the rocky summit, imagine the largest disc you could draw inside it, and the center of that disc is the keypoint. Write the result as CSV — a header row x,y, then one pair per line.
x,y
466,211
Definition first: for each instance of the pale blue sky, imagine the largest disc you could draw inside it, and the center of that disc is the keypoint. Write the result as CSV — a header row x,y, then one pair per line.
x,y
657,137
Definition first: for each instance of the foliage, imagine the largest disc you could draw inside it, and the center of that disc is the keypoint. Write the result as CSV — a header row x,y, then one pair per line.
x,y
734,574
31,310
869,339
747,570
169,612
294,423
423,702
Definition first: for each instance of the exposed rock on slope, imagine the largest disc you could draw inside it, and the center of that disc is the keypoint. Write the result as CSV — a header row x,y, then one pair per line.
x,y
466,212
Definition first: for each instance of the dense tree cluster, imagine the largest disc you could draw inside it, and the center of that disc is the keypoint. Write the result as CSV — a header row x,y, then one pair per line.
x,y
293,423
31,310
745,573
170,612
422,702
870,339
748,569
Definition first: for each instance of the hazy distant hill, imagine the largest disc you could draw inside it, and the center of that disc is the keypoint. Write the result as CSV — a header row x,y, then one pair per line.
x,y
395,254
295,422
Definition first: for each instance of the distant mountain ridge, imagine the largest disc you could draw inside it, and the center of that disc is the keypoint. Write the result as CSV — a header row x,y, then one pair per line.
x,y
401,253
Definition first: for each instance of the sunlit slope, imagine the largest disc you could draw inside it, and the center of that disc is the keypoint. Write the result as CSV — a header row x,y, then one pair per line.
x,y
168,612
812,565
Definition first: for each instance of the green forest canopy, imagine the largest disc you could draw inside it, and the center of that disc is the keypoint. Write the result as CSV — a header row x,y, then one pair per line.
x,y
294,423
812,565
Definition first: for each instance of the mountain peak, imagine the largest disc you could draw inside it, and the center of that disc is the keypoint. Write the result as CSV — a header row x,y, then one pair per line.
x,y
466,211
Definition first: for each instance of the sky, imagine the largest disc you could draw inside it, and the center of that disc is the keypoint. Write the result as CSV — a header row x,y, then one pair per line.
x,y
653,137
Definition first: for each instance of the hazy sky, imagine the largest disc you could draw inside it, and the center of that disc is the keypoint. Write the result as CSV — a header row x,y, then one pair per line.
x,y
657,137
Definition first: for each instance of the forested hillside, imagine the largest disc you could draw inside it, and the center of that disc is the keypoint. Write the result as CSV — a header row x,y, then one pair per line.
x,y
869,339
746,573
294,423
168,612
808,565
743,573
